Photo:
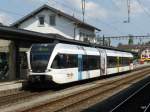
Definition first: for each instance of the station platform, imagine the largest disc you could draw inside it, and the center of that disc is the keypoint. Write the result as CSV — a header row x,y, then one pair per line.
x,y
13,87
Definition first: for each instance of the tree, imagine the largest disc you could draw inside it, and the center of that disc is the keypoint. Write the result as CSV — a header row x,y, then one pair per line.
x,y
130,41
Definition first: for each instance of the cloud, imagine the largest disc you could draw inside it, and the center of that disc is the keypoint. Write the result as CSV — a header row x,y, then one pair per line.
x,y
135,7
94,10
72,7
74,3
5,19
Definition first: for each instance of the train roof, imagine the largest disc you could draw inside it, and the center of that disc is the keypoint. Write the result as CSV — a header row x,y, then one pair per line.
x,y
118,53
76,49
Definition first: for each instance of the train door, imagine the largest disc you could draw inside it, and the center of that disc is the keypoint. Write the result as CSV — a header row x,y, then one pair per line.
x,y
103,62
85,73
82,65
118,64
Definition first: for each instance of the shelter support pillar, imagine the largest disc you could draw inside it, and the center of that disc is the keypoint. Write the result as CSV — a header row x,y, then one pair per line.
x,y
14,68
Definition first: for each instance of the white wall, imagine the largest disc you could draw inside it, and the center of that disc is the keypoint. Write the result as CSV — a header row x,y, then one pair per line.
x,y
63,26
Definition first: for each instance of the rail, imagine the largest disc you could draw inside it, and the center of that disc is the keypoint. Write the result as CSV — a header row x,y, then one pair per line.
x,y
85,98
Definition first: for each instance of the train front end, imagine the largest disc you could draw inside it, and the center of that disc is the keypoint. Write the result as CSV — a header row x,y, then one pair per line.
x,y
38,60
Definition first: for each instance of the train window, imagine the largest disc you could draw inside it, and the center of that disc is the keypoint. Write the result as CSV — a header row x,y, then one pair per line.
x,y
57,62
41,52
65,61
111,62
94,62
125,61
39,56
91,62
85,62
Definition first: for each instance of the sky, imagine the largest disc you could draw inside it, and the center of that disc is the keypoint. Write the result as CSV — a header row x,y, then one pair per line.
x,y
108,15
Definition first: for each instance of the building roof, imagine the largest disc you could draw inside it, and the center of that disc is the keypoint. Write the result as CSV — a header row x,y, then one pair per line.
x,y
25,36
77,21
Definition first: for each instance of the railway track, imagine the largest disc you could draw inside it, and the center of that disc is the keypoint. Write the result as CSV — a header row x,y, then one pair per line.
x,y
139,101
22,96
147,109
74,101
14,98
19,97
88,97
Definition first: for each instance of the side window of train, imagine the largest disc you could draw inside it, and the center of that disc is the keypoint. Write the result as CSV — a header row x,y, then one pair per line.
x,y
121,61
111,62
55,63
64,61
85,62
125,61
70,61
131,60
91,62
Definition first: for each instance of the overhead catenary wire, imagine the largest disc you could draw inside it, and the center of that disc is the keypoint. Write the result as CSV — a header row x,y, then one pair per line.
x,y
83,9
128,5
144,9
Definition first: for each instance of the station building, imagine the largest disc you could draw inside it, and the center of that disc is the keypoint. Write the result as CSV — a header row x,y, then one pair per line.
x,y
46,20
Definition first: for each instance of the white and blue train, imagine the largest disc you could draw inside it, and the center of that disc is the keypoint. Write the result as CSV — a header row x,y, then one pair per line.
x,y
64,63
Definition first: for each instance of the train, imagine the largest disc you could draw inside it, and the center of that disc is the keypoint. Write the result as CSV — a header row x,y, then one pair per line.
x,y
65,63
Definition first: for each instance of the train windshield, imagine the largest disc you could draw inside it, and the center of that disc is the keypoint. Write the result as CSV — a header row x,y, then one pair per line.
x,y
39,56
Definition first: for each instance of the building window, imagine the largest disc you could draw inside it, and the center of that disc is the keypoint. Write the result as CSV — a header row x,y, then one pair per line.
x,y
41,20
81,36
85,39
52,20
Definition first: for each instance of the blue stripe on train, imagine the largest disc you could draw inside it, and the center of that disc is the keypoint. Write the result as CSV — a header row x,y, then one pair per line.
x,y
80,66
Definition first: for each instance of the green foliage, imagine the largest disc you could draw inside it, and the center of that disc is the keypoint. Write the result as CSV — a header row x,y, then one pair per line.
x,y
130,42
